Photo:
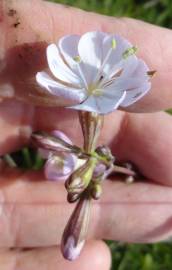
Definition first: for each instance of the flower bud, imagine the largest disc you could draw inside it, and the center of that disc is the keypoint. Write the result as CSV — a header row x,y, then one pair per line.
x,y
73,197
80,179
99,170
74,235
105,152
53,143
96,191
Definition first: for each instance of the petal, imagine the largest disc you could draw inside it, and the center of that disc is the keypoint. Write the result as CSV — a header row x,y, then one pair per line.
x,y
59,69
101,104
61,135
129,66
107,104
68,46
136,86
136,94
126,83
141,69
134,67
68,94
88,72
99,170
90,48
60,167
88,105
116,54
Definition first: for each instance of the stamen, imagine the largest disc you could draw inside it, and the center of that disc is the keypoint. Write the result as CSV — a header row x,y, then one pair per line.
x,y
113,46
77,59
129,52
98,92
95,90
108,83
111,79
113,43
151,73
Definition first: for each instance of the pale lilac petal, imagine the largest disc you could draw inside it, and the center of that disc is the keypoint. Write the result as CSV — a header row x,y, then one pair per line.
x,y
107,104
141,88
61,135
136,94
99,170
135,67
59,69
90,48
129,66
88,105
60,167
101,104
141,69
68,46
71,95
126,84
90,52
116,54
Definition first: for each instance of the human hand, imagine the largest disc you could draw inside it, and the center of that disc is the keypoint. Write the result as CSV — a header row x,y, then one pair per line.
x,y
34,211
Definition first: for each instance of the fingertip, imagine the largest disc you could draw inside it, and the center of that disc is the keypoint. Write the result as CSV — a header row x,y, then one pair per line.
x,y
95,255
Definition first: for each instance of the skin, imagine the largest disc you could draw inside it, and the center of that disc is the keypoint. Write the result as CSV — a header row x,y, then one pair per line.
x,y
33,211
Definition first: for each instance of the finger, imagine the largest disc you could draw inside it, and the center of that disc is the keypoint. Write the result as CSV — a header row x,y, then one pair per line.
x,y
16,125
24,42
145,140
51,258
34,213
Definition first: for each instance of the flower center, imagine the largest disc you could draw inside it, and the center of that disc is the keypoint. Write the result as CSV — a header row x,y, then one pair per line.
x,y
94,90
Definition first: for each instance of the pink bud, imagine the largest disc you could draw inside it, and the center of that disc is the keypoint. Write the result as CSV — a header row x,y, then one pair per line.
x,y
71,251
99,170
75,233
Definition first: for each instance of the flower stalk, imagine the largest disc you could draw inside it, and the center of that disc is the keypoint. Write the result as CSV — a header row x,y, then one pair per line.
x,y
91,124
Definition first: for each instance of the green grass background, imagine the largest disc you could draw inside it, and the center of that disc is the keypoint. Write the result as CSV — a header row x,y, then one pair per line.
x,y
124,256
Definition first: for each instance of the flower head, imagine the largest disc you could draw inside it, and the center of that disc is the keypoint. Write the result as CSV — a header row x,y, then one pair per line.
x,y
95,72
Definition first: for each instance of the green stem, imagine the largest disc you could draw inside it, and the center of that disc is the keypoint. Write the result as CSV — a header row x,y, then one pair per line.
x,y
10,161
27,157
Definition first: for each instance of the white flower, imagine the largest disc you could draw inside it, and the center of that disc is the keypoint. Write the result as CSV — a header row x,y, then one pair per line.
x,y
95,72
